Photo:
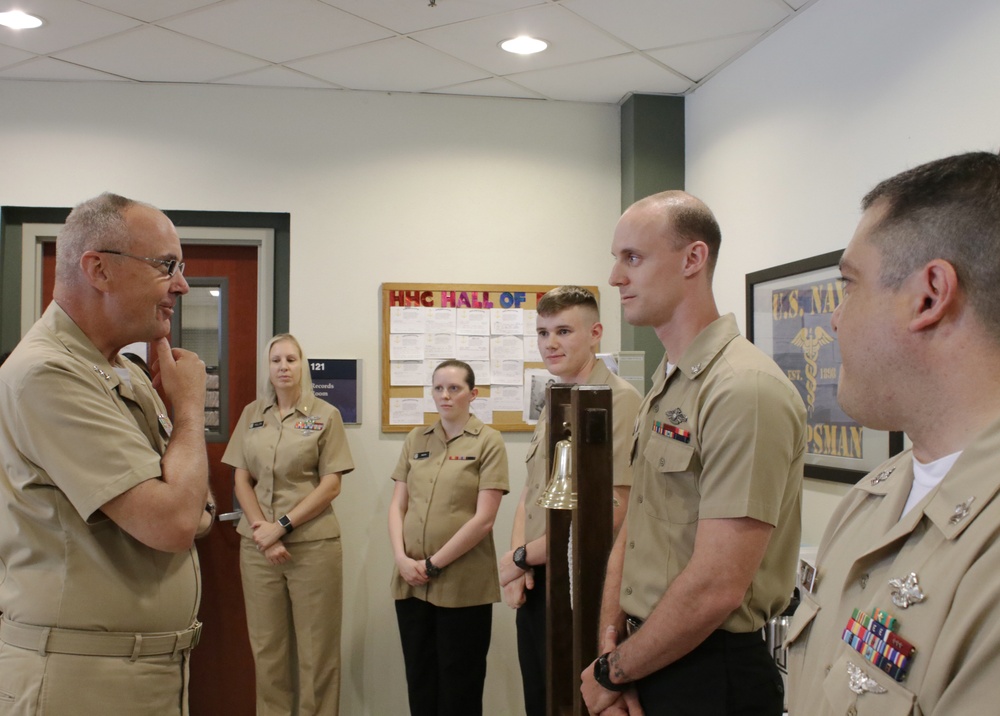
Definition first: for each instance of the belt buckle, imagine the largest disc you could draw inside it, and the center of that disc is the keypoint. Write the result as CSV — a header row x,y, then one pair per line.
x,y
632,625
197,634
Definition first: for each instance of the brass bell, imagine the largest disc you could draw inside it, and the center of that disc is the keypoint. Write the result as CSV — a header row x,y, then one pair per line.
x,y
559,494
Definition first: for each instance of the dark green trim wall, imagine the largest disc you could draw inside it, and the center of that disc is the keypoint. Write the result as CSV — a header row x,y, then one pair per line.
x,y
13,218
652,151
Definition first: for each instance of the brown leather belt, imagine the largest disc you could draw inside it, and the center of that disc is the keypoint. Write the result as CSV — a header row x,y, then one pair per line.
x,y
52,640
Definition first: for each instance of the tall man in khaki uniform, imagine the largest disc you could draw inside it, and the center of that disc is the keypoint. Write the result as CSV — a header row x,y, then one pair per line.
x,y
710,544
903,616
102,494
569,331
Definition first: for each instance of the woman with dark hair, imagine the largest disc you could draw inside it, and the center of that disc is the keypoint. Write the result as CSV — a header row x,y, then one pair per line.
x,y
290,451
449,481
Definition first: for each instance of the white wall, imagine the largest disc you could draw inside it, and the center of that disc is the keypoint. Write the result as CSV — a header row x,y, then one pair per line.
x,y
380,188
784,142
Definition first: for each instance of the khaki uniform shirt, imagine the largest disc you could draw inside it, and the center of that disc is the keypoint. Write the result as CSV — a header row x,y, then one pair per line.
x,y
624,405
287,457
951,541
73,435
722,437
443,478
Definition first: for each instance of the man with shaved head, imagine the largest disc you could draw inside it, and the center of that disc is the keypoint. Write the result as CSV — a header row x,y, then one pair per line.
x,y
710,544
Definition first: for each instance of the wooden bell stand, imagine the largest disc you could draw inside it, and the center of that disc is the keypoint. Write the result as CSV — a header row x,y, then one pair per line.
x,y
572,633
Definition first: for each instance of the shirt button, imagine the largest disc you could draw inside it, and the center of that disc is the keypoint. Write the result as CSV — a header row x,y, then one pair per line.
x,y
640,499
662,462
852,710
628,590
631,545
863,580
656,407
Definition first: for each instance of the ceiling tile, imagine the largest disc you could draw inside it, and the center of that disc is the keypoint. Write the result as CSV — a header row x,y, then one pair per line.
x,y
648,24
570,40
151,10
10,56
397,64
274,77
492,87
277,31
67,23
405,16
698,59
46,68
151,54
603,80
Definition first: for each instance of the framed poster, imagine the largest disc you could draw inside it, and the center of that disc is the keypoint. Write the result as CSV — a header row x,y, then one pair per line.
x,y
788,317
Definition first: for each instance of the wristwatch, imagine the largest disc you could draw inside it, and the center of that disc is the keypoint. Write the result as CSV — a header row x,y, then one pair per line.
x,y
521,557
286,523
602,674
432,571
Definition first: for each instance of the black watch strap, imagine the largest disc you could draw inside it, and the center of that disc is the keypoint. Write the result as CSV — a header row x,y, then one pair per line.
x,y
521,557
602,674
432,569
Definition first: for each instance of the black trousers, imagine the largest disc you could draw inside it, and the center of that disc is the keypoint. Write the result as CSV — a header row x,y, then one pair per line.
x,y
726,675
530,620
444,651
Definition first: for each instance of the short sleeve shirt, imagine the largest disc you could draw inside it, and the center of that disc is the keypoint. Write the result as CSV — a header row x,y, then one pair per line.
x,y
722,437
443,478
624,406
75,432
287,456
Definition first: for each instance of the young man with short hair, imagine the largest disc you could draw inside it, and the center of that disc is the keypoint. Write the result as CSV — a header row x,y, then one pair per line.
x,y
569,331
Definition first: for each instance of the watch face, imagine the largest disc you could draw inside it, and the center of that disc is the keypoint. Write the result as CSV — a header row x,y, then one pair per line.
x,y
521,557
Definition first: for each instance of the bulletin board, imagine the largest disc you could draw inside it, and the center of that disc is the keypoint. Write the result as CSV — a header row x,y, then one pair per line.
x,y
489,326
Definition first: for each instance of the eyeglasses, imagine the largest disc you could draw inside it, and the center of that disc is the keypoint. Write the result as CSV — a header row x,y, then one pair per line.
x,y
173,265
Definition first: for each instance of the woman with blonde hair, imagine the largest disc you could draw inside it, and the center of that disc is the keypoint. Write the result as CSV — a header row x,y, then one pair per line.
x,y
289,452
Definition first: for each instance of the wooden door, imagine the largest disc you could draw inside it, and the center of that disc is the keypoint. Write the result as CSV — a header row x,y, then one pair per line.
x,y
222,673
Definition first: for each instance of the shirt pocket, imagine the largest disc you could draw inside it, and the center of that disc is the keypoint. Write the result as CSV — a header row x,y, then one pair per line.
x,y
895,701
672,492
805,612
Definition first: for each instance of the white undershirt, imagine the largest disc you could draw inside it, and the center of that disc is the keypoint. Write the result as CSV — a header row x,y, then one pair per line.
x,y
927,476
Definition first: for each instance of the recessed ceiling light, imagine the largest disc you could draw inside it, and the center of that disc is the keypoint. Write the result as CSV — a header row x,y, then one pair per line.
x,y
524,45
17,20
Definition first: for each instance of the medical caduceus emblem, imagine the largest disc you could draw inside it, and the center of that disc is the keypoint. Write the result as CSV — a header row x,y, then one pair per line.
x,y
810,341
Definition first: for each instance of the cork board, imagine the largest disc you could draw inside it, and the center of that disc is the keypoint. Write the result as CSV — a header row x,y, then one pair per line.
x,y
489,326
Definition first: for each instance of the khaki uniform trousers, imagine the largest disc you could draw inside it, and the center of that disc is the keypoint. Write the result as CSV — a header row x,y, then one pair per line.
x,y
33,683
293,617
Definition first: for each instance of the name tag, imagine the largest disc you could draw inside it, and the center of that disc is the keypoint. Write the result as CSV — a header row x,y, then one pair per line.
x,y
258,424
421,456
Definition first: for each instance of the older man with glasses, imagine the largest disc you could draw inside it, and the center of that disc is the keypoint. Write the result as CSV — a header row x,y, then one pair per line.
x,y
102,492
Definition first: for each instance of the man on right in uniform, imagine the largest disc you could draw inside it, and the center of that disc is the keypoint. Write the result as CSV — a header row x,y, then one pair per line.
x,y
710,544
903,616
